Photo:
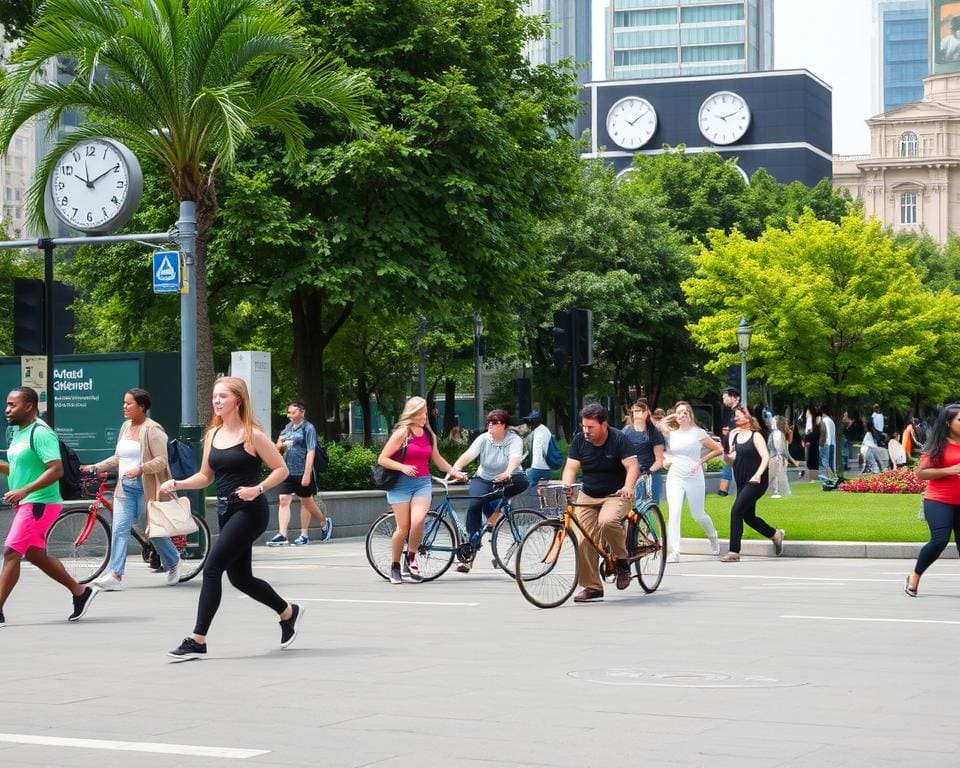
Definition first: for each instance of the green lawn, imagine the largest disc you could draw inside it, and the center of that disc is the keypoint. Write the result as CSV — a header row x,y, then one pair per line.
x,y
817,515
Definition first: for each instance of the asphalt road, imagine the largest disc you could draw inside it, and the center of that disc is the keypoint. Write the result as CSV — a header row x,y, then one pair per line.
x,y
769,662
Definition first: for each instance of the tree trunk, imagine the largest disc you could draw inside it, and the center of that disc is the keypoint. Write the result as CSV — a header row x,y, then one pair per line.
x,y
450,401
310,339
363,396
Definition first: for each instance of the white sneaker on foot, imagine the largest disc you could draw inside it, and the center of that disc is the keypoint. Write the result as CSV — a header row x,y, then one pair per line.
x,y
714,545
109,583
173,575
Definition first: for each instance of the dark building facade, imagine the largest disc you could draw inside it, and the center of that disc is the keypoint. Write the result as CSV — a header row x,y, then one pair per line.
x,y
779,120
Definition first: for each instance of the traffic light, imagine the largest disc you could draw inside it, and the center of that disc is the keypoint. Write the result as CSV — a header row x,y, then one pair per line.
x,y
561,337
28,317
573,326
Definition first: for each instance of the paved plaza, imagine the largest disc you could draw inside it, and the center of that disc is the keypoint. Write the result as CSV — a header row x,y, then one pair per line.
x,y
789,662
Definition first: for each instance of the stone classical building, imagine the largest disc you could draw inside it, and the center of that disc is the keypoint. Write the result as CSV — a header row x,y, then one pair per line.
x,y
910,181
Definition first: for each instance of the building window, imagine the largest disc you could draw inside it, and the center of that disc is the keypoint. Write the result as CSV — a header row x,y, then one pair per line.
x,y
652,18
908,208
711,13
909,145
712,53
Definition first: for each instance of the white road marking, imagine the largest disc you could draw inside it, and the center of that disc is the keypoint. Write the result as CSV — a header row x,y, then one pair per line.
x,y
791,586
779,578
379,602
231,753
869,619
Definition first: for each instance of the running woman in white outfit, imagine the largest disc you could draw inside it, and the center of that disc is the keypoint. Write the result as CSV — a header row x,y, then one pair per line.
x,y
685,458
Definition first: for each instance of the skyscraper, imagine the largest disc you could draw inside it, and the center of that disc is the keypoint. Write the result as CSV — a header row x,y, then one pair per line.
x,y
657,38
901,45
569,36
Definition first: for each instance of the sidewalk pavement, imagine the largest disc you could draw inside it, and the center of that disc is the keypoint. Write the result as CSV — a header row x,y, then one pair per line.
x,y
845,549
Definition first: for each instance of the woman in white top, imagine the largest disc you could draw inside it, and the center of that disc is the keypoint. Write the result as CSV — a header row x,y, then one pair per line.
x,y
685,457
141,461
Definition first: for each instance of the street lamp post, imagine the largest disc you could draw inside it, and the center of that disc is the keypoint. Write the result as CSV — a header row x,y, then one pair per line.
x,y
744,332
477,370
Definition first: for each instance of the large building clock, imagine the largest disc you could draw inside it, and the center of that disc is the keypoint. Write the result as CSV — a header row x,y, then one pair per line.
x,y
631,122
724,117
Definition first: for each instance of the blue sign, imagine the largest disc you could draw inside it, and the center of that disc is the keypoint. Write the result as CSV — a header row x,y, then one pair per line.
x,y
166,272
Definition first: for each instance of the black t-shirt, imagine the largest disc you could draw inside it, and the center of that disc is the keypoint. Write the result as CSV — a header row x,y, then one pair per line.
x,y
643,444
602,465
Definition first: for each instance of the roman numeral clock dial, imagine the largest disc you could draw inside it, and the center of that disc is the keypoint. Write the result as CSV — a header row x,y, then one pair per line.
x,y
95,186
724,117
631,122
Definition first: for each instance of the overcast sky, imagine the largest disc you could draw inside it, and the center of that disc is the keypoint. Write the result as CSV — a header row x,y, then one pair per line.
x,y
832,39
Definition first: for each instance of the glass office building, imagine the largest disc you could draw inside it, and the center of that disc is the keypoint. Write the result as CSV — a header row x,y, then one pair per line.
x,y
902,34
655,38
569,34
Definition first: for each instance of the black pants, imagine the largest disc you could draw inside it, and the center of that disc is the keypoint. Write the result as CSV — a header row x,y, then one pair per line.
x,y
480,487
744,510
240,525
941,518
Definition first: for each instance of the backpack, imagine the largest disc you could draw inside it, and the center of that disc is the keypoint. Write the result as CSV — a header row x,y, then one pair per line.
x,y
554,458
71,485
321,459
180,459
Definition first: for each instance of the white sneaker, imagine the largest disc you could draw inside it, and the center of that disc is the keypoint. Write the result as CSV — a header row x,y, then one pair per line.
x,y
775,496
109,583
674,558
714,545
173,575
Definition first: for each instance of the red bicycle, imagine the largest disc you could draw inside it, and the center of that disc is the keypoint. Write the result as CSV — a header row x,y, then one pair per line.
x,y
80,539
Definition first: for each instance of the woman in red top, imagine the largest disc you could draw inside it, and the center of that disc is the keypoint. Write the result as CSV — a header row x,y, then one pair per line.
x,y
940,467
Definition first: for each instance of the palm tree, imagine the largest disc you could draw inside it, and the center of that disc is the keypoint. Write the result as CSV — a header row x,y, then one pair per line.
x,y
184,83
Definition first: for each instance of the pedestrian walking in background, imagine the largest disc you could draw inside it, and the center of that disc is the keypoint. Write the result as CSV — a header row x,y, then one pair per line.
x,y
409,451
140,461
235,449
749,458
940,466
811,441
828,443
648,443
499,451
539,441
731,399
846,439
298,444
780,458
870,447
33,471
876,418
689,447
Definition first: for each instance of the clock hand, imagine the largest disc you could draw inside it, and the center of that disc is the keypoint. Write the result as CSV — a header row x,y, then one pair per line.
x,y
87,171
631,122
109,170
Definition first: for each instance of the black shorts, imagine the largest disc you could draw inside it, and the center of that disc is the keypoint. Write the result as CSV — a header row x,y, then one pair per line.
x,y
291,486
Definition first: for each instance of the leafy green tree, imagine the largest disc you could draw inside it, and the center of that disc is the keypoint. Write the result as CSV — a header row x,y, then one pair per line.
x,y
837,311
435,212
16,17
184,84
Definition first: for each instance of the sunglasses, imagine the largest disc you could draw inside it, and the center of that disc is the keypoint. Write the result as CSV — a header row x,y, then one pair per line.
x,y
493,421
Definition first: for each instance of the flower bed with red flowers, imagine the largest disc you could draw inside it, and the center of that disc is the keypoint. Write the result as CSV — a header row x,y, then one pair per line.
x,y
892,481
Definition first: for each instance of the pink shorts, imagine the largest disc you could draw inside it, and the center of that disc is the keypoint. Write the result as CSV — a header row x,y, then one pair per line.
x,y
26,531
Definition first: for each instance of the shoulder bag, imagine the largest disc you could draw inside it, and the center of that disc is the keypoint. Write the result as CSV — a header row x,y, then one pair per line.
x,y
168,518
384,478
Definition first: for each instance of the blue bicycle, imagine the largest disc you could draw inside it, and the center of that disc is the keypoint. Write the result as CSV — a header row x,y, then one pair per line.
x,y
445,537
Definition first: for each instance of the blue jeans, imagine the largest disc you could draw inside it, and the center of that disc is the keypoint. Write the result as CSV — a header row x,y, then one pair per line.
x,y
479,509
827,452
126,511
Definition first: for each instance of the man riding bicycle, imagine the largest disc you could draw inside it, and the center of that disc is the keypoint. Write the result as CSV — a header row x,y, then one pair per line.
x,y
610,471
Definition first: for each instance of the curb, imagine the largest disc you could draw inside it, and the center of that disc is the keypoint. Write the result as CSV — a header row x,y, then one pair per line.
x,y
846,549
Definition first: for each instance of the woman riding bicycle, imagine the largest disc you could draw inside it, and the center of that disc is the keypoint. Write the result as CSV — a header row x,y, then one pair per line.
x,y
499,451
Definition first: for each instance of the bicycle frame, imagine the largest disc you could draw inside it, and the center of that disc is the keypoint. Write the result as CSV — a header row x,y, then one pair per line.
x,y
446,509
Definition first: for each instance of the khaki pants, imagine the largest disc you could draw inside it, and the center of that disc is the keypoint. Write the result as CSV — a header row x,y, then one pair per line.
x,y
604,524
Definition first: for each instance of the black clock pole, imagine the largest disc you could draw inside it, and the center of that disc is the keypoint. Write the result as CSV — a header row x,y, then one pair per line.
x,y
47,246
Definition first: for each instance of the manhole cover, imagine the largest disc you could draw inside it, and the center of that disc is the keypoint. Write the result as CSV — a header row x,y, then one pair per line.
x,y
681,679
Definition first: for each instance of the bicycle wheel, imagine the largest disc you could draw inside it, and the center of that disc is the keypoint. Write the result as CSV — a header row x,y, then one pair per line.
x,y
194,549
507,534
437,549
84,553
547,565
380,543
650,532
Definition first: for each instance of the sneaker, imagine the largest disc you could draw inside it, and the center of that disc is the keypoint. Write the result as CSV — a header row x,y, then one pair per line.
x,y
465,567
413,567
588,595
108,583
188,649
2,620
778,542
723,493
674,558
82,603
911,591
714,545
288,628
623,574
326,531
278,541
730,557
395,577
801,473
173,575
300,541
775,496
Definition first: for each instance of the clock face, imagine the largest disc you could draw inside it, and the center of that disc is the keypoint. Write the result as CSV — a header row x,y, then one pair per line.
x,y
96,185
724,117
631,122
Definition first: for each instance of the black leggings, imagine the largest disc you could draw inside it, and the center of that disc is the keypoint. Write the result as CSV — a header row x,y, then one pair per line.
x,y
941,518
744,510
240,526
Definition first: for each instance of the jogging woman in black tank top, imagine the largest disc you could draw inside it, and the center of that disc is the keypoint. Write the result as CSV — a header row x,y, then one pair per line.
x,y
234,451
748,453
